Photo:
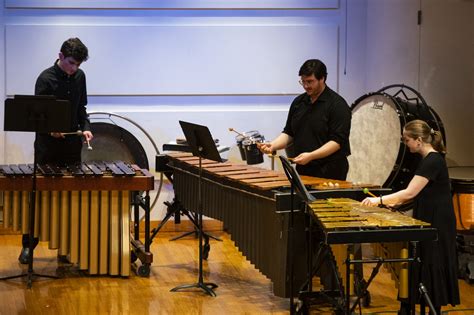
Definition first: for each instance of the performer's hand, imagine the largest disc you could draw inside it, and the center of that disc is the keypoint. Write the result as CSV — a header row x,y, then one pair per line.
x,y
56,135
370,201
265,147
87,135
303,159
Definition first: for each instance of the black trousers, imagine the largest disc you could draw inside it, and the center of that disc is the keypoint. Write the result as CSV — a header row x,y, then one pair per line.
x,y
59,151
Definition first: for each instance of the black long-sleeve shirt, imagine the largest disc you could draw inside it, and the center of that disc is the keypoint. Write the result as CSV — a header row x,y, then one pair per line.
x,y
311,125
54,81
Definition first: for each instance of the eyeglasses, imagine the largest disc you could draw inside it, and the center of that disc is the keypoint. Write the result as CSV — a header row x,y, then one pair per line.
x,y
306,82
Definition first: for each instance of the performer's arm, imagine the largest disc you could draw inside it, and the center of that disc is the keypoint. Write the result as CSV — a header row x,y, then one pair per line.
x,y
400,197
280,142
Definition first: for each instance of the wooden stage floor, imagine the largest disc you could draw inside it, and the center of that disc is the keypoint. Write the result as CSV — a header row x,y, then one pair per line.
x,y
242,289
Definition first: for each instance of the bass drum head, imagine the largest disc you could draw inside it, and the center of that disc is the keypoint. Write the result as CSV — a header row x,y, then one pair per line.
x,y
112,143
375,139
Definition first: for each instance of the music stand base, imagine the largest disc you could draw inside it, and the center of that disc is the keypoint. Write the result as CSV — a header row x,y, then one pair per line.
x,y
30,277
207,287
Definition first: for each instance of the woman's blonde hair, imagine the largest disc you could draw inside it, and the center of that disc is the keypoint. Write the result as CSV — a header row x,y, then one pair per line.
x,y
420,129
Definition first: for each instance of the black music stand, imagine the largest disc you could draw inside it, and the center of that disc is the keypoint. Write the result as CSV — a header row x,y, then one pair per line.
x,y
203,146
43,114
298,187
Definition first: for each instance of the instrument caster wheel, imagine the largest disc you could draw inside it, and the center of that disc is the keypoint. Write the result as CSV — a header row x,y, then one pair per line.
x,y
133,257
143,271
366,299
205,251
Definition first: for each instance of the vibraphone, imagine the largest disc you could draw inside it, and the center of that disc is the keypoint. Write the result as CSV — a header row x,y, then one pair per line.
x,y
346,221
82,210
254,204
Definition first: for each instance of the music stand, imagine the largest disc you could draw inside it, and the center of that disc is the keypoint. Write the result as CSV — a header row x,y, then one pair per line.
x,y
43,114
298,186
203,146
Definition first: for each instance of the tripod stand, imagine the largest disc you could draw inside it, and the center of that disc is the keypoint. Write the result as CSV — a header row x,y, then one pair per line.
x,y
192,217
202,145
176,209
39,114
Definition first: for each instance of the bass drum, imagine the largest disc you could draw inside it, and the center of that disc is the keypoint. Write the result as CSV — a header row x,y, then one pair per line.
x,y
378,154
112,143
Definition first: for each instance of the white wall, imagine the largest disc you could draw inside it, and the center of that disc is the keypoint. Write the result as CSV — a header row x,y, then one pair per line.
x,y
447,72
392,43
435,58
221,68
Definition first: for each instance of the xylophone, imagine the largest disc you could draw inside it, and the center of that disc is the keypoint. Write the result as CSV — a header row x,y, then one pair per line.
x,y
345,221
82,210
254,204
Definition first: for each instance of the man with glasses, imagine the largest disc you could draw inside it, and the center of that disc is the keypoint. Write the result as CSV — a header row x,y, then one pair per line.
x,y
65,81
318,126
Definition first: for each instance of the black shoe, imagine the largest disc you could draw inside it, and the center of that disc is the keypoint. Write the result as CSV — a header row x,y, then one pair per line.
x,y
62,259
405,309
24,255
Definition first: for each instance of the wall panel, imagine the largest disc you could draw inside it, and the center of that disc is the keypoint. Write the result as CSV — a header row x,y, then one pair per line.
x,y
172,4
176,59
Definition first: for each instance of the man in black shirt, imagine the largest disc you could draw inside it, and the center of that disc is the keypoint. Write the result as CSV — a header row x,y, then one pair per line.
x,y
65,81
318,126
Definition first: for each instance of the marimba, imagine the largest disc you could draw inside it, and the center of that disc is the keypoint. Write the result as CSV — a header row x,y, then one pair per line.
x,y
253,204
82,210
345,221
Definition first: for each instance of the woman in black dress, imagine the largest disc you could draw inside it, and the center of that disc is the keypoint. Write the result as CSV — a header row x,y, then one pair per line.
x,y
430,189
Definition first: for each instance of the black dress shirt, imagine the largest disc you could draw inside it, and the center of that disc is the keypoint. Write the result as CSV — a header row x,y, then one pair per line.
x,y
54,81
311,125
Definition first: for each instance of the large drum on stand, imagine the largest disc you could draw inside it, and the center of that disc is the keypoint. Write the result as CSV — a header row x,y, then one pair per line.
x,y
378,154
119,142
112,142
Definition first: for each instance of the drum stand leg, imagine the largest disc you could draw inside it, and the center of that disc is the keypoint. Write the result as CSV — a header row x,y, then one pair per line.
x,y
193,219
30,274
175,209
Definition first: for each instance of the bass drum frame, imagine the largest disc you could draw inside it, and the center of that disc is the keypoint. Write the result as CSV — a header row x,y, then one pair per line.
x,y
408,104
130,149
112,142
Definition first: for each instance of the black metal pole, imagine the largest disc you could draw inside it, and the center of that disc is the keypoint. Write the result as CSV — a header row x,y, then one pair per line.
x,y
31,228
290,248
201,280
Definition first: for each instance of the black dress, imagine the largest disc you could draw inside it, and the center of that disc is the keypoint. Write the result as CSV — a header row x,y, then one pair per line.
x,y
439,258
